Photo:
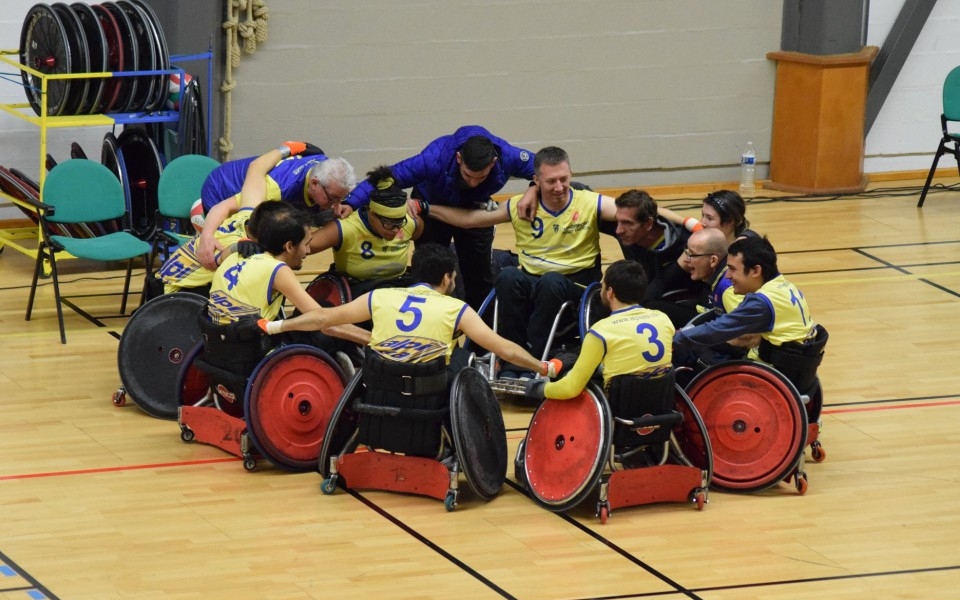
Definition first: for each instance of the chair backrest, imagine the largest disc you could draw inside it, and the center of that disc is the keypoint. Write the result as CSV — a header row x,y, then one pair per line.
x,y
951,95
83,191
180,183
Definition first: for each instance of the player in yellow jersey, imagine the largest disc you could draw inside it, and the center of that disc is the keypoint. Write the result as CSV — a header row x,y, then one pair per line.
x,y
632,341
420,323
559,251
371,247
773,311
256,286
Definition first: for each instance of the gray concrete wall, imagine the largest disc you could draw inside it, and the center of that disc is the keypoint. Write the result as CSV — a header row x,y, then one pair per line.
x,y
641,92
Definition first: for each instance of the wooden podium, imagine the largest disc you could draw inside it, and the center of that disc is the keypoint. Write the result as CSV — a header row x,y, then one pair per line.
x,y
818,122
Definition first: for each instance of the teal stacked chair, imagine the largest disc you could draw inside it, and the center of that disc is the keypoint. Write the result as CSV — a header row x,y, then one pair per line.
x,y
951,113
178,188
80,191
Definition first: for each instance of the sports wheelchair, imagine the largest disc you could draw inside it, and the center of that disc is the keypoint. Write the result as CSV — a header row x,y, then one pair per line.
x,y
569,326
646,444
235,393
397,428
762,416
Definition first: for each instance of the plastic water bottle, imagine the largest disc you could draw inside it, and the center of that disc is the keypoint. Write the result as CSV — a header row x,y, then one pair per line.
x,y
748,171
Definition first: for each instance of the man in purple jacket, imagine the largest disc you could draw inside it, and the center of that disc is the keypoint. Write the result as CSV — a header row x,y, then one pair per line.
x,y
463,170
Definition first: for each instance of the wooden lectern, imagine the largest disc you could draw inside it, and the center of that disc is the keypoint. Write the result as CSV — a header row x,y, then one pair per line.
x,y
818,122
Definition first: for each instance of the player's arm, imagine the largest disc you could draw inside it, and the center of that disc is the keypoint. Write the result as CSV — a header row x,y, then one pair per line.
x,y
608,208
328,236
254,190
692,224
470,218
207,244
574,382
322,318
287,284
473,326
527,205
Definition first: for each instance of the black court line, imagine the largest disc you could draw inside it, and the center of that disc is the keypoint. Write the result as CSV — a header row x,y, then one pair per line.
x,y
426,542
630,557
870,247
36,586
830,578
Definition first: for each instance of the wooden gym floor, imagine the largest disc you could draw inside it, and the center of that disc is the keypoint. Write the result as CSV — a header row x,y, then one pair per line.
x,y
99,502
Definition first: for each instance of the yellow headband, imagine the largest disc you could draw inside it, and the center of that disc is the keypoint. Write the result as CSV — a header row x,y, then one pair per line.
x,y
397,212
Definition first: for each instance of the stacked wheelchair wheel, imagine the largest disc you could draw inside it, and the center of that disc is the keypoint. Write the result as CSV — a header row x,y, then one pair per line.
x,y
113,37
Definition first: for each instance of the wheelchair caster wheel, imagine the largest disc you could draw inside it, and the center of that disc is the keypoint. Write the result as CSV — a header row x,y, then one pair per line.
x,y
450,502
186,434
800,479
328,485
119,397
249,463
700,498
603,511
817,452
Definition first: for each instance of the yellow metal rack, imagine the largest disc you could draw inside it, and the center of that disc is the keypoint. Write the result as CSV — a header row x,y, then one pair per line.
x,y
17,237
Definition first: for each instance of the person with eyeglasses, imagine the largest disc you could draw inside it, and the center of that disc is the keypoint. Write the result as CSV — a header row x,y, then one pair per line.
x,y
773,310
371,247
705,259
463,170
296,172
310,182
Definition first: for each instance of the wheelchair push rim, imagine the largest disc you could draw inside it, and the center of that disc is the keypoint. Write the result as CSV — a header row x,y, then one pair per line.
x,y
756,423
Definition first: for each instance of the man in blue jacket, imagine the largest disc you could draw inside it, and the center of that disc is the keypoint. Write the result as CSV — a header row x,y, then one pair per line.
x,y
462,170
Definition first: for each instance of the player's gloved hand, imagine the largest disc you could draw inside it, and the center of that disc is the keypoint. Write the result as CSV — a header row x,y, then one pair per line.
x,y
288,149
423,208
247,248
491,205
534,388
551,368
269,327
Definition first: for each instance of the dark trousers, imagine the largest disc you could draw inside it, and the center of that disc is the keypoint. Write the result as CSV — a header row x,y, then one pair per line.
x,y
473,247
528,305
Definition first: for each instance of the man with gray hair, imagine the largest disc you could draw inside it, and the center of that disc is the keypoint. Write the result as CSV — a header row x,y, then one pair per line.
x,y
296,172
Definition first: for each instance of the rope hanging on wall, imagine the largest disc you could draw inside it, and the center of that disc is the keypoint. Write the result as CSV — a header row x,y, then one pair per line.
x,y
251,31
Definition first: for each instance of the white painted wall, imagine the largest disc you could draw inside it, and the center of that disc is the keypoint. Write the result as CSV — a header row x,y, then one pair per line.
x,y
640,92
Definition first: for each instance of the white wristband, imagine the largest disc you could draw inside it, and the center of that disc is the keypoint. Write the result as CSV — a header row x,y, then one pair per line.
x,y
273,327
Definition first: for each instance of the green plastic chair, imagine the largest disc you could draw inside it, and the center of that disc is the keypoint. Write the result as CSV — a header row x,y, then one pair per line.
x,y
82,191
178,188
951,113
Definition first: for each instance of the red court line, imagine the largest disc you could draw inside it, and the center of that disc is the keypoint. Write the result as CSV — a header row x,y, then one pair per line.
x,y
115,469
895,407
512,435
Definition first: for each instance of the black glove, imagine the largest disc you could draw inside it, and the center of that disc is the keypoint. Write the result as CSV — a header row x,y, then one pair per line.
x,y
534,388
247,248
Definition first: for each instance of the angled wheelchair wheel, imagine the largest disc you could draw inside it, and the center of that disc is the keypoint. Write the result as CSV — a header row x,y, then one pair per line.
x,y
97,51
288,404
343,423
756,423
565,449
127,43
153,347
110,99
591,308
329,289
79,57
692,437
479,434
140,167
45,47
